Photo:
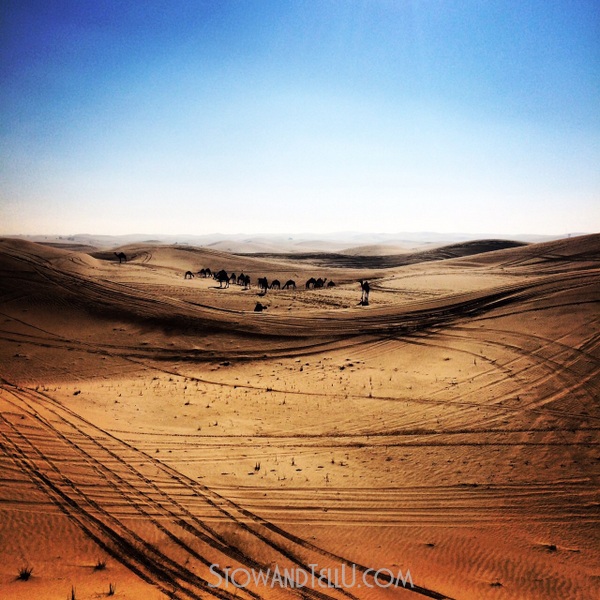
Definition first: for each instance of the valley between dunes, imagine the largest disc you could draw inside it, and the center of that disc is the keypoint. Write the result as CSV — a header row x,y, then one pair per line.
x,y
153,427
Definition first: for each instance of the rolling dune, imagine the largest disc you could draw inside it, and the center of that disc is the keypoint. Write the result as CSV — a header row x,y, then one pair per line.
x,y
158,424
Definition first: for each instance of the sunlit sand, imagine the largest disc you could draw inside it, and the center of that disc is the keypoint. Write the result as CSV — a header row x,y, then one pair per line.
x,y
157,432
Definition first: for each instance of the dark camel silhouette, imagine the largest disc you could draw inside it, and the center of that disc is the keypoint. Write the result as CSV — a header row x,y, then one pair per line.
x,y
311,283
276,284
290,283
331,284
246,282
121,256
259,307
223,278
241,278
263,284
188,275
366,288
232,278
320,282
205,273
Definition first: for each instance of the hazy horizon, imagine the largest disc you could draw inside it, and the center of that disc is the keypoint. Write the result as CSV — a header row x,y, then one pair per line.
x,y
283,239
267,117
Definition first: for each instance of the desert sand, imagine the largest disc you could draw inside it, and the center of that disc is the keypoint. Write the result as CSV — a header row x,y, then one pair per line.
x,y
156,433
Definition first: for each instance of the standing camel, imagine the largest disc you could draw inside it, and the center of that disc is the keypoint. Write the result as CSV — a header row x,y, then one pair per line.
x,y
290,283
223,278
121,256
188,275
276,284
311,283
263,284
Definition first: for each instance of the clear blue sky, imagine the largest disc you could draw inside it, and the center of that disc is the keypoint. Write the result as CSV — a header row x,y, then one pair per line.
x,y
299,116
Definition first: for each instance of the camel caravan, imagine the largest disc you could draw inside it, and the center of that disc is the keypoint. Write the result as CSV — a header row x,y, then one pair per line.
x,y
244,281
225,279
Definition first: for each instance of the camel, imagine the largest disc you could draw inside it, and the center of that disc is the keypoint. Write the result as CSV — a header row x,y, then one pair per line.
x,y
246,282
205,273
331,284
121,256
188,275
263,284
259,307
241,278
232,278
366,288
311,283
320,282
290,283
223,278
276,284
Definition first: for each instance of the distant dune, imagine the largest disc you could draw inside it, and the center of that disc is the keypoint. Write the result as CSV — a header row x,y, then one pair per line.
x,y
377,257
387,249
330,242
275,246
576,252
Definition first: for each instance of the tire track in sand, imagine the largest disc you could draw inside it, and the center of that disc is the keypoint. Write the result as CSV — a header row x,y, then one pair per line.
x,y
163,568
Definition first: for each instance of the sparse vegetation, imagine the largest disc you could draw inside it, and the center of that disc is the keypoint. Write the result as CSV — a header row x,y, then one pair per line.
x,y
111,589
25,573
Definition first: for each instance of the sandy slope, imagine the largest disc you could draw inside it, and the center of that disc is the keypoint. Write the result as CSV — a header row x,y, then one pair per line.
x,y
449,429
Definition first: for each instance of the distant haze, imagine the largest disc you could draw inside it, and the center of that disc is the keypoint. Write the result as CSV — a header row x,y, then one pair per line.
x,y
302,116
354,242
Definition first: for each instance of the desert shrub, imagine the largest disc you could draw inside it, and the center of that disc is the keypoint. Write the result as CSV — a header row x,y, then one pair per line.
x,y
25,573
100,565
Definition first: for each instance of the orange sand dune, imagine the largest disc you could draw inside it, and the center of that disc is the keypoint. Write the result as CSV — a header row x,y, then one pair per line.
x,y
157,433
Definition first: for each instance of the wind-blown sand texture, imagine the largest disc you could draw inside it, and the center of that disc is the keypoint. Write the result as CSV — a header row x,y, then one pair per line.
x,y
160,426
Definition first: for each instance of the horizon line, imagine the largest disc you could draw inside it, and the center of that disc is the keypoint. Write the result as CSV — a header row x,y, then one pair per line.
x,y
299,234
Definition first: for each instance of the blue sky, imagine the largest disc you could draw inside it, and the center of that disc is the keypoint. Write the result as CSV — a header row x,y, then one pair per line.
x,y
299,116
